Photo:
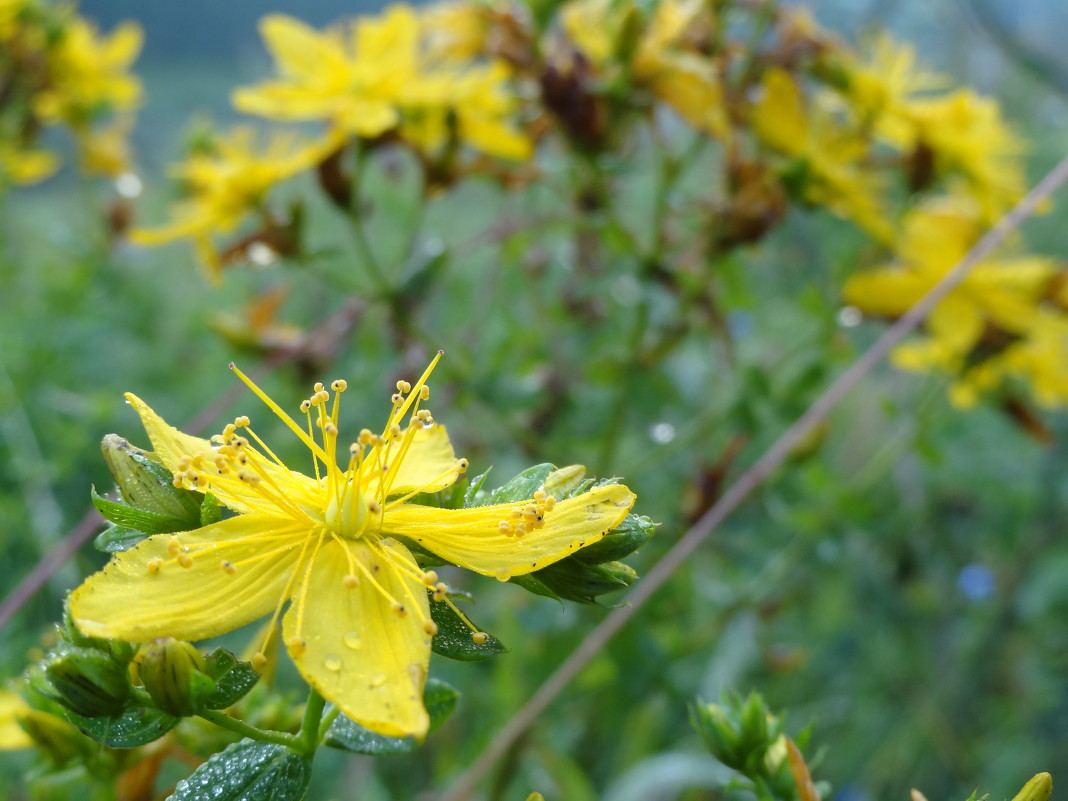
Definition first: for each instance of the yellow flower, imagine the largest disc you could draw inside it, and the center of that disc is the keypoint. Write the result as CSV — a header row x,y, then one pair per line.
x,y
999,297
661,60
969,139
333,545
21,167
829,154
12,735
883,83
89,74
377,76
228,182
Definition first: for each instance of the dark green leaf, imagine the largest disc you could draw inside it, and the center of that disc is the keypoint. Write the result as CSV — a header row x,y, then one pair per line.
x,y
233,679
534,585
136,726
248,771
454,637
440,700
573,580
118,538
141,519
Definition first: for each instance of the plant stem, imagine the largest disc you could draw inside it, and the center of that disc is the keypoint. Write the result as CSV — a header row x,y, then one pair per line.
x,y
309,727
237,726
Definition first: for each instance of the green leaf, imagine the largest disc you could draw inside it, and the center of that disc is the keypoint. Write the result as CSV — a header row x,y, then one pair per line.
x,y
474,486
521,488
210,512
248,771
534,585
453,639
233,678
573,580
141,519
345,734
118,538
136,726
624,539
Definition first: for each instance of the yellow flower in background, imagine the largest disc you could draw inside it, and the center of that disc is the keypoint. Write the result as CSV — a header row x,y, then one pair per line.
x,y
22,167
376,76
999,297
968,139
660,57
884,82
12,735
227,182
89,74
332,545
829,156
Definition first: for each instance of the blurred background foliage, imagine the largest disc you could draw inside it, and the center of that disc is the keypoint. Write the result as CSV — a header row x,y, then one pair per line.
x,y
899,584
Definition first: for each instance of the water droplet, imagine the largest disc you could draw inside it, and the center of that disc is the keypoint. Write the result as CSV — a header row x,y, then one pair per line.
x,y
332,662
352,640
662,433
849,317
378,679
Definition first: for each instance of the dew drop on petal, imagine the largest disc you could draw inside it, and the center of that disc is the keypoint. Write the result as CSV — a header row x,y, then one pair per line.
x,y
378,679
332,662
352,640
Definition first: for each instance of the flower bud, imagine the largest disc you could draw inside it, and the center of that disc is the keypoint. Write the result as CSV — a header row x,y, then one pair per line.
x,y
563,480
61,741
173,674
1038,788
87,682
146,484
714,725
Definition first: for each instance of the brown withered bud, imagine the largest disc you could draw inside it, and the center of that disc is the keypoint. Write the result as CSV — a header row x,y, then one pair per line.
x,y
566,90
755,205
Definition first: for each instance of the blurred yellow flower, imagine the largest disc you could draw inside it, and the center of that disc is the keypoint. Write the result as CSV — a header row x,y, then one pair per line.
x,y
968,139
884,82
995,303
358,626
660,57
827,169
376,76
12,735
21,166
89,74
227,182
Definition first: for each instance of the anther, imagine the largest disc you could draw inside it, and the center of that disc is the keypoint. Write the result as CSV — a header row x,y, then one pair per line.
x,y
173,546
350,581
296,647
440,591
540,496
318,387
430,627
339,385
430,578
404,387
397,399
479,637
185,560
395,431
424,392
374,507
330,429
461,465
259,660
365,436
398,609
242,421
305,406
228,567
154,565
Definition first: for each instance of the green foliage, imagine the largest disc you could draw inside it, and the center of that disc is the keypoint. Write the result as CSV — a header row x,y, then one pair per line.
x,y
247,771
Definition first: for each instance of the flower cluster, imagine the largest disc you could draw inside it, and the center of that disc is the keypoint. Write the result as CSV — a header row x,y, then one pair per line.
x,y
59,71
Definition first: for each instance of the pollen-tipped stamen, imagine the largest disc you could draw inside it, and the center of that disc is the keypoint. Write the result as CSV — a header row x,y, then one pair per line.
x,y
313,446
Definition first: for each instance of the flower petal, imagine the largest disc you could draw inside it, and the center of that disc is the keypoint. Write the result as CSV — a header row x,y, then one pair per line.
x,y
360,653
168,442
428,466
137,598
472,538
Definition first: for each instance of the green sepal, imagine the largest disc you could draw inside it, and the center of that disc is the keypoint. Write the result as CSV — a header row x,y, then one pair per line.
x,y
135,726
173,673
572,580
520,488
248,771
210,511
474,486
149,522
233,678
347,735
117,538
534,585
621,541
453,639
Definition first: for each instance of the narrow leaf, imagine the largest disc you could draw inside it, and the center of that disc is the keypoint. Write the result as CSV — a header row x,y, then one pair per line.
x,y
248,771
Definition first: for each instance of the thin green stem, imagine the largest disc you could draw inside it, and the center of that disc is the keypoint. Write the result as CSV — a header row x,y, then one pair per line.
x,y
237,726
359,231
312,723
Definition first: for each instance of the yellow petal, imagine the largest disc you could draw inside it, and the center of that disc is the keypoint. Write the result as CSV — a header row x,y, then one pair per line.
x,y
298,49
126,601
12,735
956,323
779,116
887,292
360,653
429,464
472,538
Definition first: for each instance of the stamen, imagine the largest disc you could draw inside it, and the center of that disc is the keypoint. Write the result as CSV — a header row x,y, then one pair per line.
x,y
285,418
430,627
185,560
430,578
479,637
228,567
259,660
350,582
296,646
154,565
